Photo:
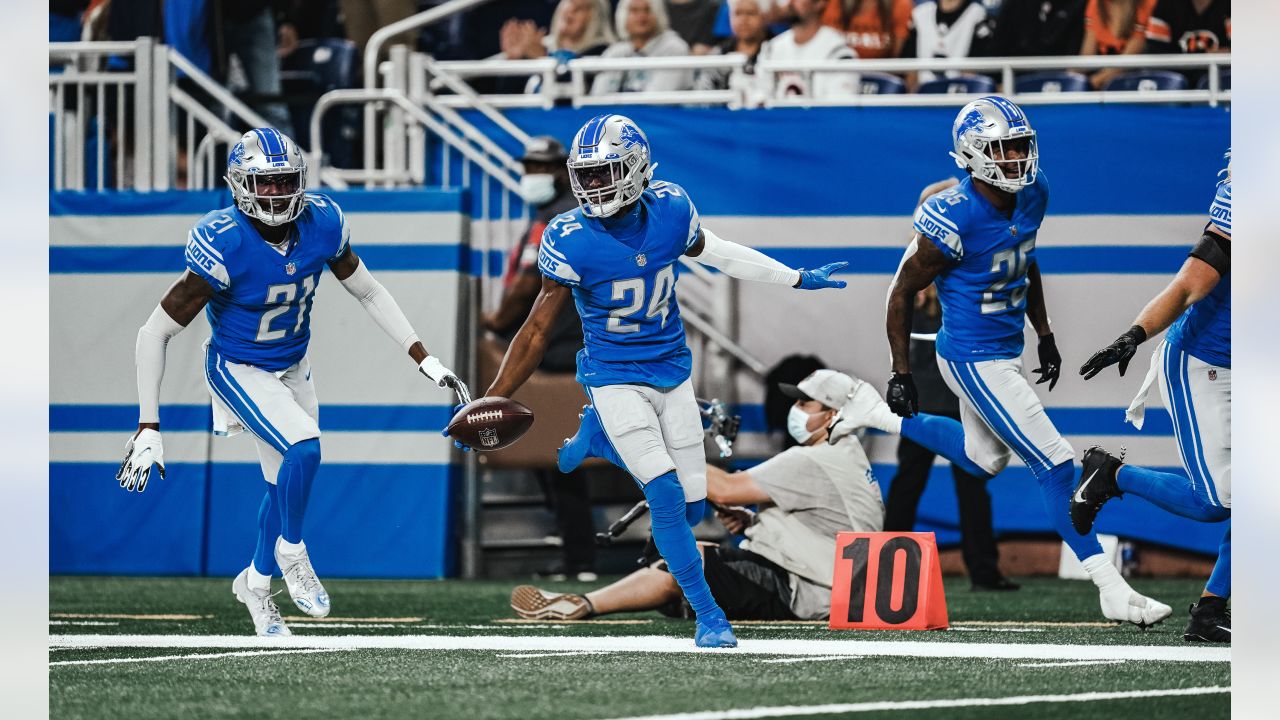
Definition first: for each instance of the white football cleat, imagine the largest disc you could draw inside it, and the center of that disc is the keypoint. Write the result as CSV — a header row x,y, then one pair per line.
x,y
304,587
1124,604
266,616
867,409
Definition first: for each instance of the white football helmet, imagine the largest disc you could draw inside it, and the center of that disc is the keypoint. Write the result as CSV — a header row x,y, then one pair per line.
x,y
268,175
609,165
985,132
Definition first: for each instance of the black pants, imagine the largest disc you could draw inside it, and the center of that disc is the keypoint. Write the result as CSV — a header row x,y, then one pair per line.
x,y
977,539
570,500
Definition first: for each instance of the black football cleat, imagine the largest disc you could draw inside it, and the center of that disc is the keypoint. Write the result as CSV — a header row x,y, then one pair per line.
x,y
1097,486
1210,621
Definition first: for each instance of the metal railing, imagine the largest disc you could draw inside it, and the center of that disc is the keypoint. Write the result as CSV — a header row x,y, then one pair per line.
x,y
762,87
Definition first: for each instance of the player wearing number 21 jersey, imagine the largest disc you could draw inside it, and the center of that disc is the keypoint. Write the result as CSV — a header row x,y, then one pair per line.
x,y
615,256
977,242
255,268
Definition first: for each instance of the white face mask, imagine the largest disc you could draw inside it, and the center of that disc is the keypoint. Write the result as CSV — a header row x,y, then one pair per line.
x,y
798,425
538,188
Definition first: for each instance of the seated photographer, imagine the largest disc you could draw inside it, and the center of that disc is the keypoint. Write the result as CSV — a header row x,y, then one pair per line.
x,y
807,494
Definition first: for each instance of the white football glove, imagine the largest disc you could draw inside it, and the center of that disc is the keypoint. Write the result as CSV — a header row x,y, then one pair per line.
x,y
139,454
437,372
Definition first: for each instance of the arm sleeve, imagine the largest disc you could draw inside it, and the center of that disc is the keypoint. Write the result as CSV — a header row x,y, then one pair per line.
x,y
149,354
380,306
742,262
787,478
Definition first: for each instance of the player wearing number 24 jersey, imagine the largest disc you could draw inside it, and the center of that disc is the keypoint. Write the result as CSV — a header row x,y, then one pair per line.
x,y
977,242
616,256
255,268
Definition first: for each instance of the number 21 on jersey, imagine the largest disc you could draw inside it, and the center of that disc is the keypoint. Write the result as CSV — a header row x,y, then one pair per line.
x,y
283,296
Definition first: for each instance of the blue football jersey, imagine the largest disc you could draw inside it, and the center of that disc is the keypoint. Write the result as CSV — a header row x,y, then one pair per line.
x,y
1204,330
984,291
262,300
623,281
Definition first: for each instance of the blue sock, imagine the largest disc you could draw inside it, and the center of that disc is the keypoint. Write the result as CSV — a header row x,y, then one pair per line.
x,y
297,472
1220,579
264,555
675,541
695,511
1170,491
1056,485
945,437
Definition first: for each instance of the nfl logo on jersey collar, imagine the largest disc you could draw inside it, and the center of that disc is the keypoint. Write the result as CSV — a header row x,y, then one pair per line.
x,y
641,260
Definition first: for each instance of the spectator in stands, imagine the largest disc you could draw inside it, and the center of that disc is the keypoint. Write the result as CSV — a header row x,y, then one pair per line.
x,y
915,462
947,29
246,29
1190,26
1044,27
545,187
578,28
645,31
64,19
810,40
872,28
362,18
694,21
1115,27
783,571
750,31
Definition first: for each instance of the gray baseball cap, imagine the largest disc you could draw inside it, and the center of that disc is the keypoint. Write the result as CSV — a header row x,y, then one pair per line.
x,y
544,148
832,388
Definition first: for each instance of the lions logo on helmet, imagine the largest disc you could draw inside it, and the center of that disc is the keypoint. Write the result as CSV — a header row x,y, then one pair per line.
x,y
267,175
609,165
996,143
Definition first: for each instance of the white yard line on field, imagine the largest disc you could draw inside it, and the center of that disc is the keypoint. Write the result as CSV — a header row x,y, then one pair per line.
x,y
552,654
204,656
1072,663
887,705
90,623
811,658
663,644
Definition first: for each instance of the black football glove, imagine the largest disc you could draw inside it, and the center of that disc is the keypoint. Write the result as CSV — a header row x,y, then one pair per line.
x,y
902,397
1050,361
1120,351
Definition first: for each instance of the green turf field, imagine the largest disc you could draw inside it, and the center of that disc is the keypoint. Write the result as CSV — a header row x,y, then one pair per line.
x,y
182,647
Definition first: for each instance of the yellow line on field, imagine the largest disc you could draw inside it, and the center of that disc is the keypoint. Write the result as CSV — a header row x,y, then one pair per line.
x,y
124,616
590,621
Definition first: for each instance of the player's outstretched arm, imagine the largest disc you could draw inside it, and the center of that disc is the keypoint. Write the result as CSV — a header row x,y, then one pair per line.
x,y
530,342
921,264
746,263
386,312
1200,274
179,306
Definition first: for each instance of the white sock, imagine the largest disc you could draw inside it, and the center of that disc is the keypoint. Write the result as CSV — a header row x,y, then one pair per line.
x,y
284,547
258,582
1104,572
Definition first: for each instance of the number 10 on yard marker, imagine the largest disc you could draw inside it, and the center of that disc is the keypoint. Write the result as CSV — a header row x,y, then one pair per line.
x,y
887,581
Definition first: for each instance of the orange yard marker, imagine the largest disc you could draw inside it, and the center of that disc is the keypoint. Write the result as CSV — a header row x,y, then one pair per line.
x,y
887,581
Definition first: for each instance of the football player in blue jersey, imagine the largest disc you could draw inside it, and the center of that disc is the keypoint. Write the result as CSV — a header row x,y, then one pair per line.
x,y
254,269
1193,364
615,256
977,242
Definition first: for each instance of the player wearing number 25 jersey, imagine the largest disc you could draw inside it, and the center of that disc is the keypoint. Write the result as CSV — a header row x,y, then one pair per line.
x,y
977,241
255,268
616,256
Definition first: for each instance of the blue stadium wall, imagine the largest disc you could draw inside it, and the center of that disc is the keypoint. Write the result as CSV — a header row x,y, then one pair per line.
x,y
1131,186
382,503
1130,189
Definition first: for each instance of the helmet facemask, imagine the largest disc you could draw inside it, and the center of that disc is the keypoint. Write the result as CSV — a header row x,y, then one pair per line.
x,y
986,160
603,187
273,197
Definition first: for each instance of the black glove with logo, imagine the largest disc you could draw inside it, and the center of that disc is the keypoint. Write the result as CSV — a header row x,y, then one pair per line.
x,y
902,397
1050,361
1120,351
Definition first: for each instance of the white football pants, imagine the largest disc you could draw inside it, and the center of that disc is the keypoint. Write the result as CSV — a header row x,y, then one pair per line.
x,y
655,431
1198,397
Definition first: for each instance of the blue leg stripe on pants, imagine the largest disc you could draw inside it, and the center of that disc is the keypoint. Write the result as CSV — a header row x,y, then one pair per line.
x,y
990,411
1035,452
238,401
1184,428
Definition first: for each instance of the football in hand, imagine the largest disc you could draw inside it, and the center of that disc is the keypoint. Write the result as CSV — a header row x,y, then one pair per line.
x,y
490,423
